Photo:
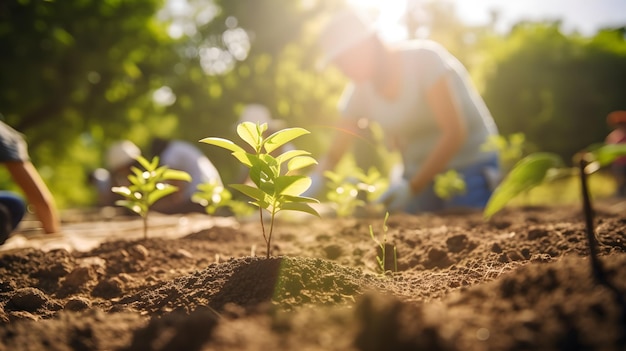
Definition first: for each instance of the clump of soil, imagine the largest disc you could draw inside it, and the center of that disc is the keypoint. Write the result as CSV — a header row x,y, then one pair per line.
x,y
521,281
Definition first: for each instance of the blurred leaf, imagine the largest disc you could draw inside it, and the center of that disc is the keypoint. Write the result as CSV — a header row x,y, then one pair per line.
x,y
608,153
159,192
173,174
525,175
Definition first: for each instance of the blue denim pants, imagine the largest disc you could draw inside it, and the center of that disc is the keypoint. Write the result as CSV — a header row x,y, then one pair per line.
x,y
15,205
478,189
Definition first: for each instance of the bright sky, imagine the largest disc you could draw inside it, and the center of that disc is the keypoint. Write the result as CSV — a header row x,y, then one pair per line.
x,y
585,16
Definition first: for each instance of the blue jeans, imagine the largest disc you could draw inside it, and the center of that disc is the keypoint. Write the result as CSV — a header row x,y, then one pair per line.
x,y
478,190
15,205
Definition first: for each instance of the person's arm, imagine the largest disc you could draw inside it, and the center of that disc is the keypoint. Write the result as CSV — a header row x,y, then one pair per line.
x,y
453,134
37,193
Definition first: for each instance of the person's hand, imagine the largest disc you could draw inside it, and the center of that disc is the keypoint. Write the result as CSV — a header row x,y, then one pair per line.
x,y
397,197
317,183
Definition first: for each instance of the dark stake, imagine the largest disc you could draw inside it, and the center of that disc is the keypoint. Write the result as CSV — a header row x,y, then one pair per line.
x,y
596,265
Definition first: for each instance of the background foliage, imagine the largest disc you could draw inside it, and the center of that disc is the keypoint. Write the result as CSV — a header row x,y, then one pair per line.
x,y
77,75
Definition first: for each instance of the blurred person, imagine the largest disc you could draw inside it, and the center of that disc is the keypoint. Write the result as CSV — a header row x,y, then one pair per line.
x,y
183,156
175,154
14,156
426,104
617,121
119,159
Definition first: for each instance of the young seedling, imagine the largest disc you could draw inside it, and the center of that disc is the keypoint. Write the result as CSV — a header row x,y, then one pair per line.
x,y
213,196
529,172
147,186
353,189
449,184
381,258
272,191
539,167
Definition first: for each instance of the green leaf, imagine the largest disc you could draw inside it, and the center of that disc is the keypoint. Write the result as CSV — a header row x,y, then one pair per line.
x,y
300,162
261,172
290,154
138,208
525,175
292,185
161,190
224,143
300,207
146,164
121,190
606,154
251,133
250,191
173,174
282,137
304,199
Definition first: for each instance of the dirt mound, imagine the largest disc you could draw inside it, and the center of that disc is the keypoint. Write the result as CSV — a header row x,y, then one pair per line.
x,y
521,281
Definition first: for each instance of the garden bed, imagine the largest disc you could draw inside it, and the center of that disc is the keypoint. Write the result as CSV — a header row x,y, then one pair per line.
x,y
521,281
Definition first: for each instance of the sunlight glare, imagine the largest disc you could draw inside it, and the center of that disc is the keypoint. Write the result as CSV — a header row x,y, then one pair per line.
x,y
387,16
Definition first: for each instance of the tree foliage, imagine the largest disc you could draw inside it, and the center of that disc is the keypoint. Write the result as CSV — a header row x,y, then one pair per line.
x,y
78,68
554,88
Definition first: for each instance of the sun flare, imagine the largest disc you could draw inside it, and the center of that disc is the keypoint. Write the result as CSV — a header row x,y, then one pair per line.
x,y
386,15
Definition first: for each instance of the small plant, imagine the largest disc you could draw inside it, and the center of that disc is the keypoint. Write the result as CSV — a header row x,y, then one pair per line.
x,y
529,172
272,191
539,167
449,184
147,186
381,258
354,189
213,196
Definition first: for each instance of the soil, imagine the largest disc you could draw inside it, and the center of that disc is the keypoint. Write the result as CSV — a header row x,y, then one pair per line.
x,y
521,281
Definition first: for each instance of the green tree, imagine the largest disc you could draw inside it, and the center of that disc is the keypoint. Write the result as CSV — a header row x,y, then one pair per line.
x,y
556,89
253,51
76,74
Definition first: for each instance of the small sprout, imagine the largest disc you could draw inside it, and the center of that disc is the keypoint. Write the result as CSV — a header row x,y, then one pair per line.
x,y
213,196
381,259
147,186
449,184
272,190
529,172
353,189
